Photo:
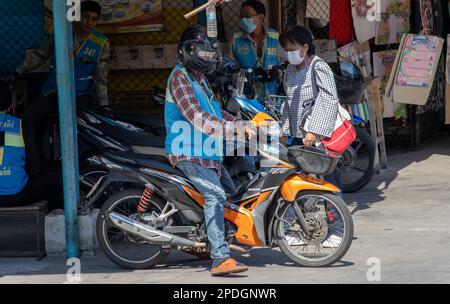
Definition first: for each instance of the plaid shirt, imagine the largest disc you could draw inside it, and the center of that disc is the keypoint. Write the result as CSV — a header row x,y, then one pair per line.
x,y
184,97
298,86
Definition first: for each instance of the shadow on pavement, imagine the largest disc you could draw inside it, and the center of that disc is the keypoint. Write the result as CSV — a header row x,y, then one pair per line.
x,y
397,161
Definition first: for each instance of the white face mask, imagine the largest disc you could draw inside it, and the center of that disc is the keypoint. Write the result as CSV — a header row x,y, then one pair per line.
x,y
294,57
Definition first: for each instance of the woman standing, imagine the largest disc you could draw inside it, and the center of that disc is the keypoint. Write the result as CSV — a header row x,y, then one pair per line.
x,y
316,98
304,93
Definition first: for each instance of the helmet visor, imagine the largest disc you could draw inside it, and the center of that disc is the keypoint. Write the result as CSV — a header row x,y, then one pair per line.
x,y
209,56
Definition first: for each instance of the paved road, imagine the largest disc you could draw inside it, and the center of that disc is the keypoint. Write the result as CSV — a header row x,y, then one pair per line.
x,y
402,219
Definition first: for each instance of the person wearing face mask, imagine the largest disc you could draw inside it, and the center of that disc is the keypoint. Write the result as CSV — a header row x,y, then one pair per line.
x,y
307,97
256,46
322,100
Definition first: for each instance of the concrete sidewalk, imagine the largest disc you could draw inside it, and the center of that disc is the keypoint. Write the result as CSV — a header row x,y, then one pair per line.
x,y
401,219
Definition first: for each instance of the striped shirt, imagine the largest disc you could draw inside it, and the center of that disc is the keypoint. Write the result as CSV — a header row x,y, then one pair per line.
x,y
298,86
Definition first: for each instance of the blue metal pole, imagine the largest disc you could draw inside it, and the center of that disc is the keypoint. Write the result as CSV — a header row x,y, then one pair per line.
x,y
67,119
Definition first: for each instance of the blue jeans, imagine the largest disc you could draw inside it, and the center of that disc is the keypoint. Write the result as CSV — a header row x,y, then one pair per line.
x,y
212,188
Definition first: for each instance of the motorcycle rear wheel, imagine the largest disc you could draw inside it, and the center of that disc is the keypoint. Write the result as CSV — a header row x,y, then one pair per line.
x,y
144,255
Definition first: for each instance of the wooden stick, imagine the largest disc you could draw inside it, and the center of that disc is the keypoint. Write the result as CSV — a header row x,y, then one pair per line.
x,y
197,10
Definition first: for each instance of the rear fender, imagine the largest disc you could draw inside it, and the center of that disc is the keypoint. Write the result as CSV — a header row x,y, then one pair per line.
x,y
296,183
111,178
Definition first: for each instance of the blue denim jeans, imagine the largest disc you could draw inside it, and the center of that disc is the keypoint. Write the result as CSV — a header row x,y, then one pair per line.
x,y
212,187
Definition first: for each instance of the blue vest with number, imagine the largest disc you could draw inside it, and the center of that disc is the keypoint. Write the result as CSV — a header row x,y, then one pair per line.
x,y
245,53
86,60
182,137
13,176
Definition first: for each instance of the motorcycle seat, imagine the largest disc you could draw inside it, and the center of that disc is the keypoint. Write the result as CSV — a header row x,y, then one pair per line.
x,y
156,162
133,138
153,121
159,163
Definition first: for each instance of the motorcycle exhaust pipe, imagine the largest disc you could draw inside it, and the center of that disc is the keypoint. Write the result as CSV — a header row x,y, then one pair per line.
x,y
149,233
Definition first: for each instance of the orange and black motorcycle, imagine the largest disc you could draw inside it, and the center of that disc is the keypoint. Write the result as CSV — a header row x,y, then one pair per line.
x,y
159,211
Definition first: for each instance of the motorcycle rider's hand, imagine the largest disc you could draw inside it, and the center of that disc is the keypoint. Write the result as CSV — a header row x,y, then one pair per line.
x,y
310,139
262,73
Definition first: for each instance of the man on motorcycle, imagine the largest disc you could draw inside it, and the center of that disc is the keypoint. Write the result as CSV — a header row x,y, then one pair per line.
x,y
191,107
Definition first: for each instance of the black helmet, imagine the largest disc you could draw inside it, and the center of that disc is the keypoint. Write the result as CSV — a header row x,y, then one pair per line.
x,y
349,83
198,51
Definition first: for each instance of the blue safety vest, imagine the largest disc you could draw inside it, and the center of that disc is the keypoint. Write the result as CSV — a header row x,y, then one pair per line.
x,y
182,137
13,176
86,60
246,54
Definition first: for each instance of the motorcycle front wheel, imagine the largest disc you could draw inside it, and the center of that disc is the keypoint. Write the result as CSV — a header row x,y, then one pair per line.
x,y
329,225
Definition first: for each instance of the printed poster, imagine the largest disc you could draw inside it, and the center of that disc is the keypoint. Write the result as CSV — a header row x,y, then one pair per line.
x,y
123,16
417,61
359,54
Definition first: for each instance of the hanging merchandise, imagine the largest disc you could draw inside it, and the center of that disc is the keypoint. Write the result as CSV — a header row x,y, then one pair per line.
x,y
394,22
436,99
426,17
414,69
359,54
382,66
363,21
341,23
361,110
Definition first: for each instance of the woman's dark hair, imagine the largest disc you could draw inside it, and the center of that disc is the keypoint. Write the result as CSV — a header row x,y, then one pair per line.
x,y
299,35
256,5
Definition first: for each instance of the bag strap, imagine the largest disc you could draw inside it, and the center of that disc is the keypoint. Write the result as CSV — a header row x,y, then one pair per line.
x,y
316,88
309,104
314,80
